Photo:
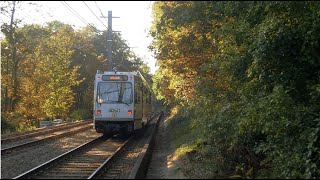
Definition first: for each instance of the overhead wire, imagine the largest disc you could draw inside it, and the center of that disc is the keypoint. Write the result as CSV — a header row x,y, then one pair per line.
x,y
77,15
95,15
82,19
100,11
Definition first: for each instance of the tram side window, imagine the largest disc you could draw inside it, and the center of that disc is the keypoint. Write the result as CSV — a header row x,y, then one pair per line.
x,y
137,94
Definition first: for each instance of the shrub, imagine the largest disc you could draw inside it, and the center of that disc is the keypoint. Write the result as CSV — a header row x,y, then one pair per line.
x,y
80,114
6,126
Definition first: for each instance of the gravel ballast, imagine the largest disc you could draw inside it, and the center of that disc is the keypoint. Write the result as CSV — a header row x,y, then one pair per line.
x,y
13,165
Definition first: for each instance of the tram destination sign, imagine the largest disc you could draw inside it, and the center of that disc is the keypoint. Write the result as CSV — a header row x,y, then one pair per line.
x,y
114,78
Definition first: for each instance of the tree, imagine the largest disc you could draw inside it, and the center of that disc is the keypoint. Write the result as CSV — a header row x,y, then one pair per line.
x,y
59,76
254,68
9,31
32,88
13,54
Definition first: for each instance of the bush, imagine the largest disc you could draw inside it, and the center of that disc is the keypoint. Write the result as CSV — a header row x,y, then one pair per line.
x,y
270,136
6,127
81,114
26,126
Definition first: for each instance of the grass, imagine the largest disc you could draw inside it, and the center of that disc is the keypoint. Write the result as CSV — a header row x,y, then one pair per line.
x,y
186,142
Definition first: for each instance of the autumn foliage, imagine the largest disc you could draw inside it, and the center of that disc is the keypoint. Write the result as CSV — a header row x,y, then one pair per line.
x,y
47,71
248,75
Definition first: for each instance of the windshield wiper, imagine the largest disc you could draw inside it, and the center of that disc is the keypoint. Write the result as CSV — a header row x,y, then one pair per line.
x,y
118,102
126,103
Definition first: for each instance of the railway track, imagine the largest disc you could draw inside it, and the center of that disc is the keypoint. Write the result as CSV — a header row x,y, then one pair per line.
x,y
132,161
99,158
79,163
29,134
65,131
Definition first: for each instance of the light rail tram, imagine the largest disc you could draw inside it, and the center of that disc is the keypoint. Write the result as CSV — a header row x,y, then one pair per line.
x,y
122,102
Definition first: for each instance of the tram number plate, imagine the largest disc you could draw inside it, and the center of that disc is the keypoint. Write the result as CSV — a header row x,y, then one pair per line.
x,y
114,114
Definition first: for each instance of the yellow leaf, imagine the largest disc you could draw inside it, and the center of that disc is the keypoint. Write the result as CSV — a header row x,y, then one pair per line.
x,y
249,172
236,177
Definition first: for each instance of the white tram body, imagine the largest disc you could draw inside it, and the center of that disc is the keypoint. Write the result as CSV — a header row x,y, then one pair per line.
x,y
122,102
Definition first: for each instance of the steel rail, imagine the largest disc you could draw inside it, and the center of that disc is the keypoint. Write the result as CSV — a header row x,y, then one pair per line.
x,y
31,143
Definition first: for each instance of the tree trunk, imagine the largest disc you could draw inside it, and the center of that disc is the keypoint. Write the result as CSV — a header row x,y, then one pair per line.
x,y
8,103
14,60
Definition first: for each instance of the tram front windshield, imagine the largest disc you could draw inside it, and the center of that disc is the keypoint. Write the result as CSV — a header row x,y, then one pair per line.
x,y
114,92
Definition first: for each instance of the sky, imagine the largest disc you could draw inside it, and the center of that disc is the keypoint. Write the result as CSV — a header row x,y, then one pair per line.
x,y
134,19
